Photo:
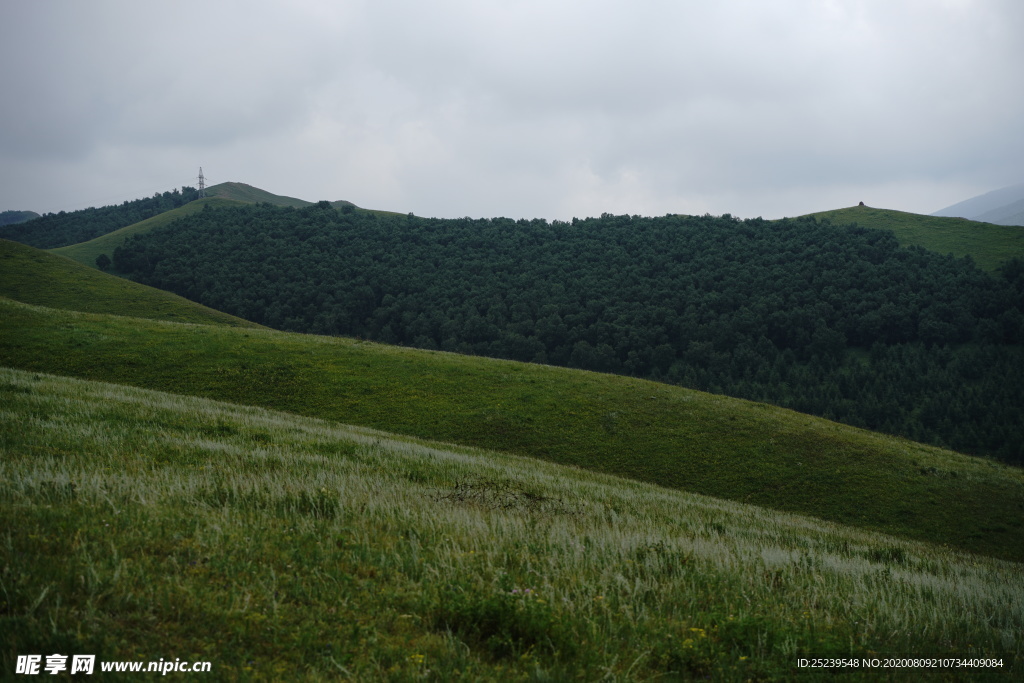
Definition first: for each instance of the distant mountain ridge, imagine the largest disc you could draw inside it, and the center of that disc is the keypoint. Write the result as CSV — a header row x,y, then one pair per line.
x,y
1011,214
1004,206
13,217
990,245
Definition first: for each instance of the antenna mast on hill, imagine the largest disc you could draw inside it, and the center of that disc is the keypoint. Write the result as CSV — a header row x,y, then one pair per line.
x,y
202,183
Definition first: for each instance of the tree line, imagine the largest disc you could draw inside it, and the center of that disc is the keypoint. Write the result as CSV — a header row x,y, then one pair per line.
x,y
837,321
52,230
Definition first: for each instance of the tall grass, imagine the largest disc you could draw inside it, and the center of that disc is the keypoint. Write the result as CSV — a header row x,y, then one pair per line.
x,y
667,435
145,525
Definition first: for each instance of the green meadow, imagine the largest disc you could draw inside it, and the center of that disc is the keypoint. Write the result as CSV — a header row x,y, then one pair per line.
x,y
657,433
176,483
988,244
45,279
142,525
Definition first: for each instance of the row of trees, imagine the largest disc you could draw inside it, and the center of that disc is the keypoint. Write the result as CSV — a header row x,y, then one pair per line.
x,y
52,230
838,321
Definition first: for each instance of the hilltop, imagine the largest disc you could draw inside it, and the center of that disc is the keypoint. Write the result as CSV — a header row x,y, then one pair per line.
x,y
248,194
988,244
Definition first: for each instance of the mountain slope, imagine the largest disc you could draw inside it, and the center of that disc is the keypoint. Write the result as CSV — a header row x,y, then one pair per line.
x,y
134,520
34,276
783,312
989,245
1009,214
990,202
86,253
222,195
53,230
646,431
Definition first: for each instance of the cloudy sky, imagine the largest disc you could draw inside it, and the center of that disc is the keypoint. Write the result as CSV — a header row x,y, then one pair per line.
x,y
516,108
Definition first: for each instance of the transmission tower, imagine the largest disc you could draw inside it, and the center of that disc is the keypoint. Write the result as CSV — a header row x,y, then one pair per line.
x,y
202,183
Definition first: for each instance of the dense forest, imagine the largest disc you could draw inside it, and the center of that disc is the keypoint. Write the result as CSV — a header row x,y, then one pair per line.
x,y
838,321
52,230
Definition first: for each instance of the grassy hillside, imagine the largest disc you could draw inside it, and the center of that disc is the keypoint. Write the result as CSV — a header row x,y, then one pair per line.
x,y
650,432
252,195
39,277
989,245
225,194
86,252
144,526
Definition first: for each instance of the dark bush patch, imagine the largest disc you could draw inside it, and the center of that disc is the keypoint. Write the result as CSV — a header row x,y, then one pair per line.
x,y
492,494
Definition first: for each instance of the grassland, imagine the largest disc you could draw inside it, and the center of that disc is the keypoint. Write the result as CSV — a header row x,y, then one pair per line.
x,y
87,252
649,432
988,244
39,277
142,525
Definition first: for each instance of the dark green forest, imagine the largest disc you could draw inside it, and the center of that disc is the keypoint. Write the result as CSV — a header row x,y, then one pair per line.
x,y
837,321
52,230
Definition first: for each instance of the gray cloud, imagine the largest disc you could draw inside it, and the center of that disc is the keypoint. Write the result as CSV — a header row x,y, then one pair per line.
x,y
520,109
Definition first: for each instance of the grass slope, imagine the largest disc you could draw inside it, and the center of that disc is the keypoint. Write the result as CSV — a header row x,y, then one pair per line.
x,y
86,252
225,194
39,277
646,431
989,245
143,526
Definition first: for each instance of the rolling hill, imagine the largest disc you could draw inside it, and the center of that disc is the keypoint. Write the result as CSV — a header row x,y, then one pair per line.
x,y
1011,214
1004,206
670,436
41,278
150,527
270,537
831,320
989,245
54,230
86,253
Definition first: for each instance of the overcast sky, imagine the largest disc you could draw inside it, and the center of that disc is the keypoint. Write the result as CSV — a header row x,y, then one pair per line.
x,y
513,107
